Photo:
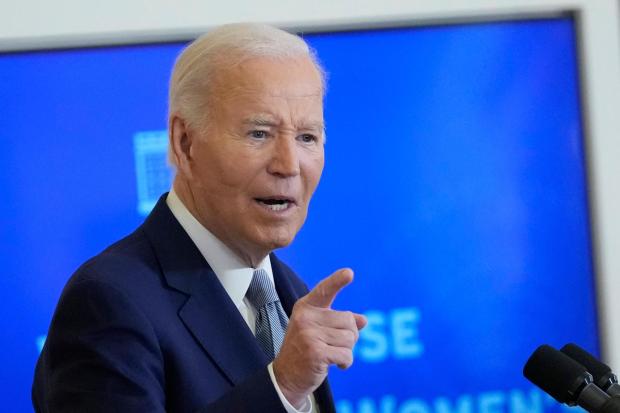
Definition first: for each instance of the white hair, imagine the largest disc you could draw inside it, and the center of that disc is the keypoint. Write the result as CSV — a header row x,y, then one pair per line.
x,y
219,49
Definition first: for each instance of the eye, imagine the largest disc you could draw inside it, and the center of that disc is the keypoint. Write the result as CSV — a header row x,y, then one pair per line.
x,y
259,134
308,138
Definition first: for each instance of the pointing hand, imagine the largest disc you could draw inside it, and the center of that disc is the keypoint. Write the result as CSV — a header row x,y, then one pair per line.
x,y
316,337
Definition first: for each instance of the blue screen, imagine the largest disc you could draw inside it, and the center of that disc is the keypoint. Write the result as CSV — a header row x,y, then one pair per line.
x,y
454,187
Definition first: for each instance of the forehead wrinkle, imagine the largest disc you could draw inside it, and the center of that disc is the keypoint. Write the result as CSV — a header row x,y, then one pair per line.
x,y
229,84
275,121
255,98
261,120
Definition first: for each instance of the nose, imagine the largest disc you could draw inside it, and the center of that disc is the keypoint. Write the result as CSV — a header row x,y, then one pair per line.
x,y
285,158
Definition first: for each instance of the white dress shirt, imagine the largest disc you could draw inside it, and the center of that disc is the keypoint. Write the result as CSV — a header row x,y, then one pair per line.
x,y
235,277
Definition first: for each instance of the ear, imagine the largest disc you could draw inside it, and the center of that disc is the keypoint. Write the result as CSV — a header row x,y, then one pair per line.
x,y
181,144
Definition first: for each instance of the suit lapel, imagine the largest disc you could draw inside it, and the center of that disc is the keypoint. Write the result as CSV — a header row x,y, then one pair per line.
x,y
208,313
218,326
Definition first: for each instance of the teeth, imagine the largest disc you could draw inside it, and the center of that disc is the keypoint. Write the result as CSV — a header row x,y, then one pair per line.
x,y
277,207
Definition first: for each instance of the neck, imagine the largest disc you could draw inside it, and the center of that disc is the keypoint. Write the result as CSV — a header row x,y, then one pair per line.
x,y
251,257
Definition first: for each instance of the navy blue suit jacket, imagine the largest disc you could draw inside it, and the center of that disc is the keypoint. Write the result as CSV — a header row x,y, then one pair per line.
x,y
146,326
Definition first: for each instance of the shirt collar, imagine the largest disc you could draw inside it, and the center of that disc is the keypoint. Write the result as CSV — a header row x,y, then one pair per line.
x,y
234,275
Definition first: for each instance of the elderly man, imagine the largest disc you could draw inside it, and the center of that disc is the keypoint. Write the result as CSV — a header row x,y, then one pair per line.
x,y
192,311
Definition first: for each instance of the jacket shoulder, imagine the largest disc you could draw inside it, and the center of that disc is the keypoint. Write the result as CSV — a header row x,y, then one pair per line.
x,y
129,265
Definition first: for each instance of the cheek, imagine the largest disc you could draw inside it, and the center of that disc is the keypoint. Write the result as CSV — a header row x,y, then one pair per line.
x,y
220,163
226,176
314,171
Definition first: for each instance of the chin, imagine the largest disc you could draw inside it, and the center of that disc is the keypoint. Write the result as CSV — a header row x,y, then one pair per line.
x,y
279,239
281,242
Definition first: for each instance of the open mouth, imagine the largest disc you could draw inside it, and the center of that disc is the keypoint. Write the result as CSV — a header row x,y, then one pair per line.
x,y
276,204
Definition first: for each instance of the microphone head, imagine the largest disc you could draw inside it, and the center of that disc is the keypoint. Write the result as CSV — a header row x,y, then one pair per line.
x,y
601,372
557,374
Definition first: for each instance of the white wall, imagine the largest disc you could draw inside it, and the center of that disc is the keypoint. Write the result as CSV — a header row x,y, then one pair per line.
x,y
28,23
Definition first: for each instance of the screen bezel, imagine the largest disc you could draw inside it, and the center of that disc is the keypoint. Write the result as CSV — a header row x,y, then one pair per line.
x,y
604,327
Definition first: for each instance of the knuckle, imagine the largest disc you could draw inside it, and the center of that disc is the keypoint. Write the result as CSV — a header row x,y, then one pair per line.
x,y
299,314
351,319
345,318
302,317
348,358
352,337
345,359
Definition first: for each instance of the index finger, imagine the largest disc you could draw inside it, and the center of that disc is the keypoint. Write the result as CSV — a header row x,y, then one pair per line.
x,y
324,293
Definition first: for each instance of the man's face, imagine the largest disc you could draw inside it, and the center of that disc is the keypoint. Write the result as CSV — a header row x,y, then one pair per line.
x,y
257,165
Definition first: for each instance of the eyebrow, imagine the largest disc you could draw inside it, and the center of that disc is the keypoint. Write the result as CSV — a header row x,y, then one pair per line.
x,y
271,122
261,121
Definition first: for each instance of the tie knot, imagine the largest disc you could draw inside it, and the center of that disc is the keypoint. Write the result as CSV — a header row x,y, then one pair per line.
x,y
262,290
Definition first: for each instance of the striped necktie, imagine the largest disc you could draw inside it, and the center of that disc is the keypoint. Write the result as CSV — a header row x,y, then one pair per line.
x,y
271,320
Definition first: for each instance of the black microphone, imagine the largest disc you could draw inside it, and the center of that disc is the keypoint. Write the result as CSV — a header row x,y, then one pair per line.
x,y
566,380
601,372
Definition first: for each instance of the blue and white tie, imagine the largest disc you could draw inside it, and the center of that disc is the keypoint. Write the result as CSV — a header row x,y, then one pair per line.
x,y
271,320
